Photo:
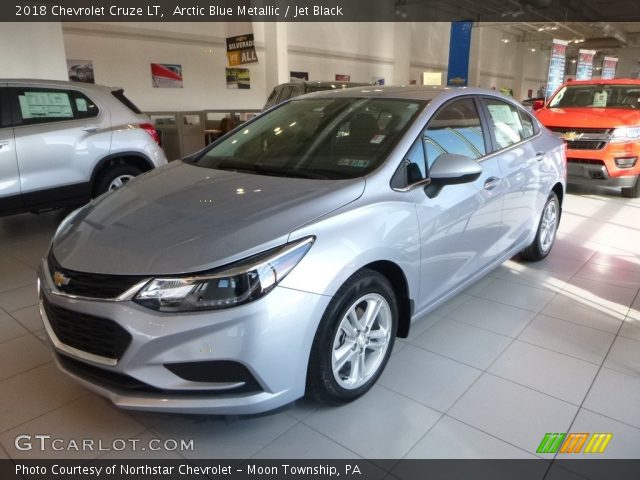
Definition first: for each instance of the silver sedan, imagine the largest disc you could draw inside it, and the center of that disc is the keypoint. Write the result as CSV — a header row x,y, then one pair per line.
x,y
286,257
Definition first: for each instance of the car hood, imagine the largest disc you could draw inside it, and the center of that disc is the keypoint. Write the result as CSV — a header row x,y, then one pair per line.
x,y
181,218
588,117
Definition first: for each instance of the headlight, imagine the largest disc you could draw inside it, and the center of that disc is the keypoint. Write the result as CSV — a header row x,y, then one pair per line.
x,y
625,134
236,284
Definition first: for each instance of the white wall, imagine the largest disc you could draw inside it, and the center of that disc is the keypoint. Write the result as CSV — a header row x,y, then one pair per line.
x,y
628,63
362,50
32,50
122,54
429,49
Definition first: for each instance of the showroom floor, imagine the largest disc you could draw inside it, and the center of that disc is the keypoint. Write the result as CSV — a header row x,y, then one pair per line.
x,y
533,348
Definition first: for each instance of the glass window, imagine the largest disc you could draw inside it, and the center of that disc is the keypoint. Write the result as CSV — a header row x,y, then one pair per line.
x,y
416,168
528,124
50,105
597,96
506,123
455,129
330,138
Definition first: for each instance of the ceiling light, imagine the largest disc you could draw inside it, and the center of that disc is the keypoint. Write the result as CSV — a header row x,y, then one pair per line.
x,y
532,49
505,40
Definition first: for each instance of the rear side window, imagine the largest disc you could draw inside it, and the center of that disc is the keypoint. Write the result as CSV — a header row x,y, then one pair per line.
x,y
528,124
119,94
45,105
505,122
456,128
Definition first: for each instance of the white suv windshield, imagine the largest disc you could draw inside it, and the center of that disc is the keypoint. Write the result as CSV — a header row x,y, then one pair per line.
x,y
326,138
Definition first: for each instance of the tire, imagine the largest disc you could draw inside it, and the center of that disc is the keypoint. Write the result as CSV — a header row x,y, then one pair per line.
x,y
341,330
109,179
632,192
547,229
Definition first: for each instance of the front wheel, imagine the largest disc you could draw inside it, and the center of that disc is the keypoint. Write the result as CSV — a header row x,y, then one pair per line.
x,y
632,192
547,228
354,340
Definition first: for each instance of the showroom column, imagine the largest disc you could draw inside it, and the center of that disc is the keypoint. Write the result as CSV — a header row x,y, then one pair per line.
x,y
276,54
33,50
401,53
522,54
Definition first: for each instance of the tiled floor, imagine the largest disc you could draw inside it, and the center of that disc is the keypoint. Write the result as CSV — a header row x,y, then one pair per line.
x,y
533,348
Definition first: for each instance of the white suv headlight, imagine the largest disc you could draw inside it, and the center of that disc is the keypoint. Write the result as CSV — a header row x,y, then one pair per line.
x,y
242,282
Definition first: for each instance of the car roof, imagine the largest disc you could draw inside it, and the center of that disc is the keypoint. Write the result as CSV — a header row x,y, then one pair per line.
x,y
611,81
56,83
412,92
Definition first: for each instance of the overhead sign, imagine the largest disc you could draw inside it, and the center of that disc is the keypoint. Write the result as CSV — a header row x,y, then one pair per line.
x,y
241,50
584,70
609,65
557,63
459,48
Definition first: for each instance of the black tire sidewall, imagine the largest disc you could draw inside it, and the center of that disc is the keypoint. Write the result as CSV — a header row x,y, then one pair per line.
x,y
320,372
541,253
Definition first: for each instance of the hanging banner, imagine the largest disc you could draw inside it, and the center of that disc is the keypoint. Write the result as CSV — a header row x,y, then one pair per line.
x,y
609,65
557,62
584,70
241,50
459,48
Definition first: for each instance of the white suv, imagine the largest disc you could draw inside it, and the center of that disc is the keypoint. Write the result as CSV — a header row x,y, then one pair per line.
x,y
63,143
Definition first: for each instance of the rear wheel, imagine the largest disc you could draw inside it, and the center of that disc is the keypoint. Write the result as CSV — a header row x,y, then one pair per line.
x,y
354,340
115,177
632,192
547,228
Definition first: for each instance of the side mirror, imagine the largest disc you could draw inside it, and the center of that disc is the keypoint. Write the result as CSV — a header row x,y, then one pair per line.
x,y
451,169
454,169
537,105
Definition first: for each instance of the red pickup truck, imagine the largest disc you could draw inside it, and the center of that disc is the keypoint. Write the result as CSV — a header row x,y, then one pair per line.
x,y
600,122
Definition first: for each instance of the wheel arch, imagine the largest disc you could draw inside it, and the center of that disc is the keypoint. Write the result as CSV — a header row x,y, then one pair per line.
x,y
135,159
398,281
558,189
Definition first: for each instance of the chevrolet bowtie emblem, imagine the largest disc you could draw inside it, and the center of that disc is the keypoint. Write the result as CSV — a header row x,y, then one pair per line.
x,y
570,136
60,279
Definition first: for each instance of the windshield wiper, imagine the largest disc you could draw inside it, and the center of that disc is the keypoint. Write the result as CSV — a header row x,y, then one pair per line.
x,y
276,172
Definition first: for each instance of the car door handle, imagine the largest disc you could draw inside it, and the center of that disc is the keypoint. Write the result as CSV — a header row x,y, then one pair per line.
x,y
90,129
4,144
491,183
540,156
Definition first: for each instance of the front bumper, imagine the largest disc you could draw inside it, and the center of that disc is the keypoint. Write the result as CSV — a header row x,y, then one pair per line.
x,y
271,338
595,174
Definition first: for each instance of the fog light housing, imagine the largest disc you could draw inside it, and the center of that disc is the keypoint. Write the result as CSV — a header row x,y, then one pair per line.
x,y
626,162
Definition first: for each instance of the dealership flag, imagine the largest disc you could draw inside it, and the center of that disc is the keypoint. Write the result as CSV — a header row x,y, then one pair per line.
x,y
609,65
584,70
556,66
241,50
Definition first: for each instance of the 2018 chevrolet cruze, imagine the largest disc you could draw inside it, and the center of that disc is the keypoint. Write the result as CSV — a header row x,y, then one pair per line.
x,y
287,256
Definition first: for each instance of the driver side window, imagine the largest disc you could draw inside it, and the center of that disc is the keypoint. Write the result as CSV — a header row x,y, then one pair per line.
x,y
456,128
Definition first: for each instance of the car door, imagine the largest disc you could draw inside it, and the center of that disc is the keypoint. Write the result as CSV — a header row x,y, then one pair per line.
x,y
460,226
10,197
60,134
512,131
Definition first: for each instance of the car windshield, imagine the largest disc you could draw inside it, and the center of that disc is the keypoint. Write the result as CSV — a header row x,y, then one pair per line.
x,y
324,138
597,96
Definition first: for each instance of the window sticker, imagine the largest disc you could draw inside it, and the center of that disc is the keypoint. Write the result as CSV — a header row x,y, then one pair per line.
x,y
81,105
353,162
377,139
600,99
501,113
45,105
